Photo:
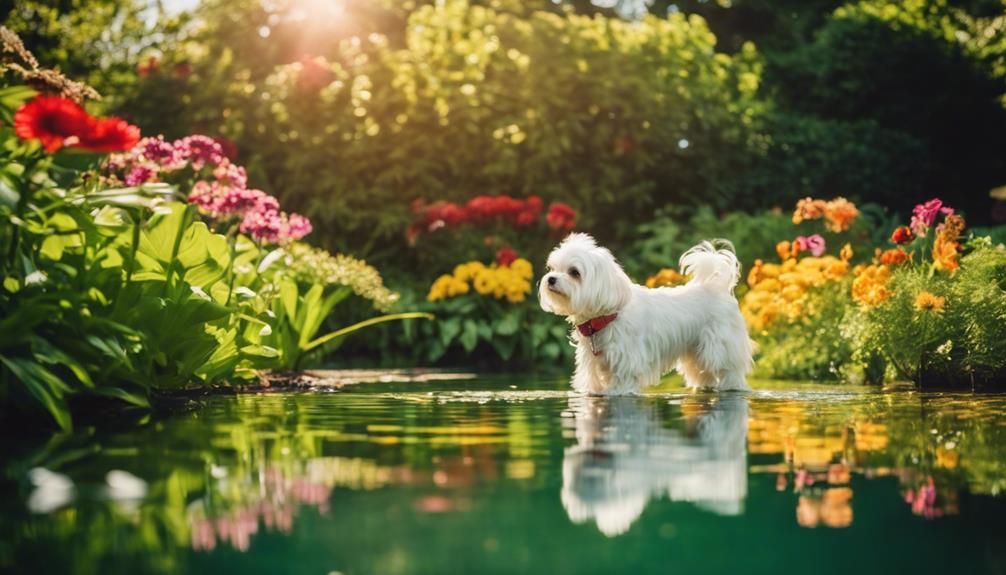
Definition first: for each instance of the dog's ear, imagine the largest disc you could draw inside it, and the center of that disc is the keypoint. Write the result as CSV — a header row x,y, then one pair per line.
x,y
605,286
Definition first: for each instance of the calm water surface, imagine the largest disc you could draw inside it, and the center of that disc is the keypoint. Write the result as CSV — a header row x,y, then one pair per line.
x,y
515,475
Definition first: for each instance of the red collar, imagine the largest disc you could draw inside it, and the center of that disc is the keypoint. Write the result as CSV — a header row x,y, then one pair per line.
x,y
590,327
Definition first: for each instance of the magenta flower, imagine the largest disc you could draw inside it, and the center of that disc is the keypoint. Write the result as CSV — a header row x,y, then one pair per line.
x,y
200,151
224,196
263,225
160,152
814,244
140,175
924,215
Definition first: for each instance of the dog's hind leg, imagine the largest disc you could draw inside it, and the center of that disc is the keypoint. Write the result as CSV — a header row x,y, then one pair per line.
x,y
733,381
695,376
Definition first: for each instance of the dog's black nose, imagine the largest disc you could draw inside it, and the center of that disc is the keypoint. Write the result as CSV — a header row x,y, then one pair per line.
x,y
551,280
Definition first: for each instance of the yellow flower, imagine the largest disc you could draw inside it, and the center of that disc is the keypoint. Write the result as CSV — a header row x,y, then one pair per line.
x,y
439,290
926,301
466,272
666,277
837,270
485,282
846,253
522,268
870,286
945,252
792,292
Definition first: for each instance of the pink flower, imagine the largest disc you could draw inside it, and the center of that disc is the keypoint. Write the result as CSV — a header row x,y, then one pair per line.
x,y
203,195
297,227
200,150
813,244
263,225
140,175
239,200
924,215
160,152
231,175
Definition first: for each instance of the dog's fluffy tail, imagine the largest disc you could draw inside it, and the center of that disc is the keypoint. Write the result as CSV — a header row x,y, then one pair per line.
x,y
713,264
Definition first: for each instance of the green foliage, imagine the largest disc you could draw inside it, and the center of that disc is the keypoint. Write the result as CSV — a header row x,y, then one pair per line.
x,y
963,344
601,113
890,87
474,330
662,240
101,42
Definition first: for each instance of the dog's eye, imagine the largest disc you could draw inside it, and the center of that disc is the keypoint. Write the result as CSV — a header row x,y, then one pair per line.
x,y
574,273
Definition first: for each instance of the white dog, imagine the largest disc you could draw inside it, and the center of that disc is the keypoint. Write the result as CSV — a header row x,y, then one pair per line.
x,y
627,335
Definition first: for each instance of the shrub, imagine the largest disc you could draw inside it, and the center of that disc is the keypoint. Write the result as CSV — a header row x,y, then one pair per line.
x,y
113,288
920,311
606,115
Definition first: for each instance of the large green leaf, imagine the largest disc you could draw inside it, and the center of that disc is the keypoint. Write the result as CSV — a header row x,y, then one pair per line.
x,y
122,394
469,336
160,238
43,385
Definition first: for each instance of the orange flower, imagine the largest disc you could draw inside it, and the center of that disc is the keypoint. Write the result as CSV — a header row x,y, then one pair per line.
x,y
754,276
926,301
839,214
836,270
894,257
667,277
809,209
945,252
846,253
784,249
870,286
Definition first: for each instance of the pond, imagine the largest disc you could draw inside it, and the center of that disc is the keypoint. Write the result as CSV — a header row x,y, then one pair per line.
x,y
514,475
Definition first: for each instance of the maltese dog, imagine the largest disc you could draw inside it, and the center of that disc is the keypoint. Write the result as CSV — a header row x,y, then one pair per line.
x,y
627,336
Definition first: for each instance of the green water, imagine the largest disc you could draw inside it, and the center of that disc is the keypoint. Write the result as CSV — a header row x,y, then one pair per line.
x,y
515,475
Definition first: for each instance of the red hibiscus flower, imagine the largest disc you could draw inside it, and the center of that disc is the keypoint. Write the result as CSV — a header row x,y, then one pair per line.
x,y
505,256
53,121
560,217
902,235
110,135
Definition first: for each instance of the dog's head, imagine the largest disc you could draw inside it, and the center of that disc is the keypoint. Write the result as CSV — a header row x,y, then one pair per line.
x,y
583,280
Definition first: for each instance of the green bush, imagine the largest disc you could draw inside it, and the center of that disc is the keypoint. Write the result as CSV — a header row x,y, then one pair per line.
x,y
960,343
662,240
616,118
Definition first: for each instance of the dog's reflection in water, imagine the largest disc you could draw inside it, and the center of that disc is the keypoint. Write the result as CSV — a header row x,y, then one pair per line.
x,y
624,456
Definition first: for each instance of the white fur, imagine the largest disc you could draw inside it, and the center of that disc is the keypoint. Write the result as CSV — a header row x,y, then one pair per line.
x,y
696,328
624,456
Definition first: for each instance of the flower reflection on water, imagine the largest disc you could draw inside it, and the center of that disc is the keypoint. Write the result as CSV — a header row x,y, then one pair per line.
x,y
507,467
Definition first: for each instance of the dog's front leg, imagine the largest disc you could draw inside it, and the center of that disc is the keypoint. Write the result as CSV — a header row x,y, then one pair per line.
x,y
592,375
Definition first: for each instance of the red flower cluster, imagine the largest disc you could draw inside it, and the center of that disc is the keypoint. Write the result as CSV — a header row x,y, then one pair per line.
x,y
561,217
505,256
482,210
902,235
57,122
